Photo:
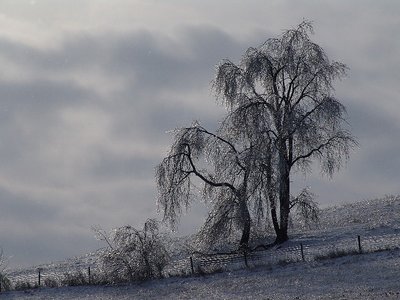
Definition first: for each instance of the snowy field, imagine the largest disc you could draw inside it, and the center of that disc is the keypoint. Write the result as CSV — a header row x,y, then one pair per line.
x,y
374,275
366,276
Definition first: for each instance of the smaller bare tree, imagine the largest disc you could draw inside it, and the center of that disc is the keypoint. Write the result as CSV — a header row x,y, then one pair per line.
x,y
133,254
307,210
225,168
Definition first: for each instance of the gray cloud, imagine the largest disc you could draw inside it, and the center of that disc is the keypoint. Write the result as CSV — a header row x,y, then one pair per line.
x,y
53,145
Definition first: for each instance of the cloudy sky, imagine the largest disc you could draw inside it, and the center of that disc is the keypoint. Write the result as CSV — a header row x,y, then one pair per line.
x,y
89,89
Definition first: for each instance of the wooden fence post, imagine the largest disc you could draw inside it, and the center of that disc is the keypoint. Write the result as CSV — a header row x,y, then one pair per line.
x,y
245,258
89,275
302,251
39,275
359,244
191,265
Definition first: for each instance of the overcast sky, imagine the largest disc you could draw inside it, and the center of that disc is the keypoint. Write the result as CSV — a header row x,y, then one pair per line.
x,y
89,89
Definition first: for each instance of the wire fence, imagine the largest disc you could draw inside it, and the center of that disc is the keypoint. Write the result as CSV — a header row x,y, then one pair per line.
x,y
282,255
62,274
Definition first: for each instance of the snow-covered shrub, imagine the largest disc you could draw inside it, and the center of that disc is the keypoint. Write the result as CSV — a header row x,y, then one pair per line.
x,y
5,283
133,254
306,210
51,283
75,279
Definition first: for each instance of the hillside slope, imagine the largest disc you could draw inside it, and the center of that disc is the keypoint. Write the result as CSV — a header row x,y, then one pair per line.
x,y
366,276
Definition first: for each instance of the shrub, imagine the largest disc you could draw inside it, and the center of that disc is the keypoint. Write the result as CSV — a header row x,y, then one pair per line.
x,y
5,283
75,279
133,254
51,283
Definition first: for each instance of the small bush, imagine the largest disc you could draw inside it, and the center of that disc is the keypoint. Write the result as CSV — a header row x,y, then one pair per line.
x,y
5,282
75,279
50,283
132,254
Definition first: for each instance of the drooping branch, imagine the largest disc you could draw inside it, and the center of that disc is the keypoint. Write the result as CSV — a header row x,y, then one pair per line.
x,y
203,177
339,137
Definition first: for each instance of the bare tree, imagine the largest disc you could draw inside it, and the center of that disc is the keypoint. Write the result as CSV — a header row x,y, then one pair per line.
x,y
282,115
133,254
225,168
280,98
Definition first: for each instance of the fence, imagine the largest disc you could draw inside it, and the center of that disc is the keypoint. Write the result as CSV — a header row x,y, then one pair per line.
x,y
303,251
71,272
300,252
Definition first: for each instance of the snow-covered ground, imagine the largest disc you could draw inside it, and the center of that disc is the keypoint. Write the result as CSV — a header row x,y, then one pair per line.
x,y
363,276
366,276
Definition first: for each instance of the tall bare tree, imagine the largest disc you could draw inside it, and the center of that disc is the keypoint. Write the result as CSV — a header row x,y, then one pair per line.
x,y
280,97
282,115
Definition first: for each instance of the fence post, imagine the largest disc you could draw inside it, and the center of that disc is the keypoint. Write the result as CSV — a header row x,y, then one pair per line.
x,y
302,251
89,275
191,265
39,269
359,244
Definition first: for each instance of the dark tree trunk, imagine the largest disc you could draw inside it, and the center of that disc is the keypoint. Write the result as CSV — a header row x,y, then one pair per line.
x,y
271,190
284,196
245,215
275,222
244,241
284,199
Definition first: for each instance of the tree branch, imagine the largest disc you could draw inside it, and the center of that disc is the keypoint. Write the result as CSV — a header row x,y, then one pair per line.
x,y
202,177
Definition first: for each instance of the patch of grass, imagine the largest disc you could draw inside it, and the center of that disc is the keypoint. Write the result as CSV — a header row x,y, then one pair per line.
x,y
24,285
203,271
336,254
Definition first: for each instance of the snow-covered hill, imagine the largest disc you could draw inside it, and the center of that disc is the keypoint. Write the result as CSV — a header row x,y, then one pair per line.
x,y
367,276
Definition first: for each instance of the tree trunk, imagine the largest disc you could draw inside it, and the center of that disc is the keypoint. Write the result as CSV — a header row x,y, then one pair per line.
x,y
284,196
271,190
275,222
245,216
